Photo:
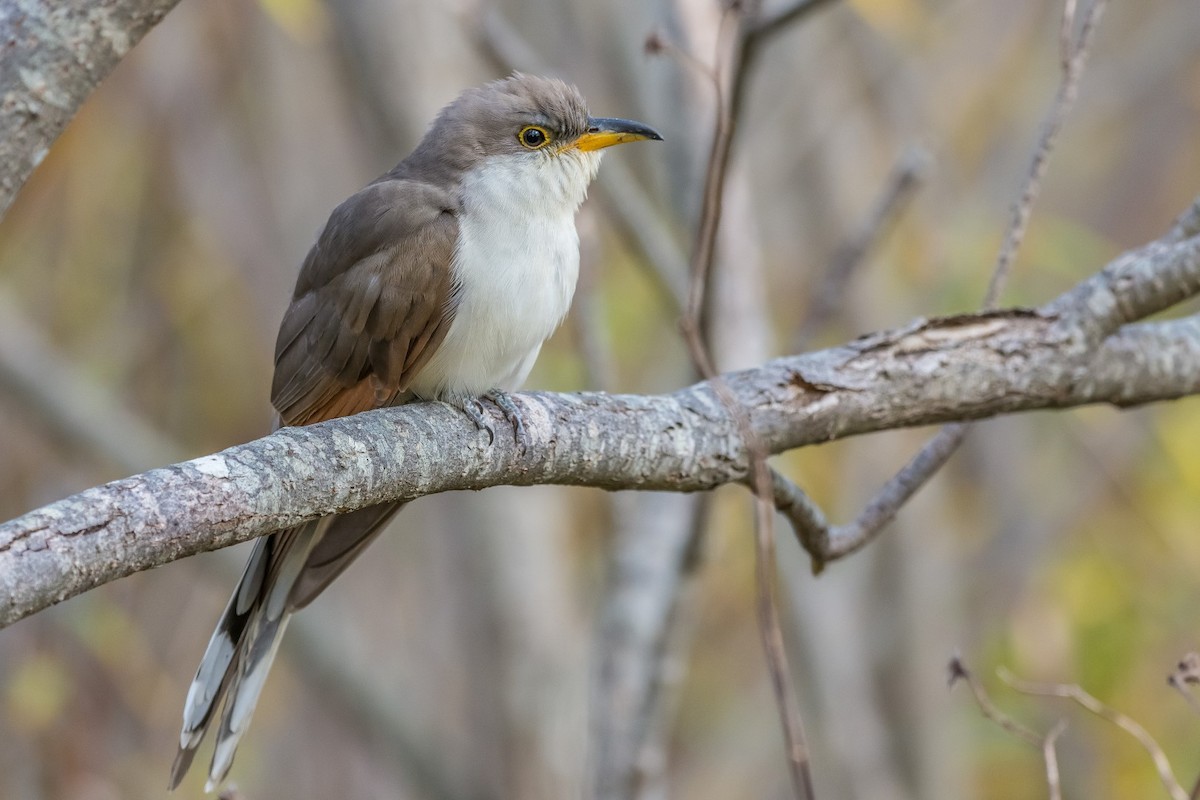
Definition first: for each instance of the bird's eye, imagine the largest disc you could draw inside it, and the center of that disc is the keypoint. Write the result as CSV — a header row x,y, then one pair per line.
x,y
533,136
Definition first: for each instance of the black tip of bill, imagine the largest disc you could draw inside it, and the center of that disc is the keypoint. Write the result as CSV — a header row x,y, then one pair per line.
x,y
625,126
607,131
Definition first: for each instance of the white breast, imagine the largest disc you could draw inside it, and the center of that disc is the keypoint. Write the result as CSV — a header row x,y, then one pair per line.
x,y
517,261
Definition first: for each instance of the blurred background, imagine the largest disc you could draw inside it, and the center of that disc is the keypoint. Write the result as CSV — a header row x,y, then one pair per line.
x,y
492,644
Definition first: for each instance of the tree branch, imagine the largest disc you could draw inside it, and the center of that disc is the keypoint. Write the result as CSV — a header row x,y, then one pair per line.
x,y
1124,722
959,671
932,371
52,54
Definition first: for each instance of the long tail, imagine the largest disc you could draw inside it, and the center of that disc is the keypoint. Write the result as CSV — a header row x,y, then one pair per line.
x,y
286,571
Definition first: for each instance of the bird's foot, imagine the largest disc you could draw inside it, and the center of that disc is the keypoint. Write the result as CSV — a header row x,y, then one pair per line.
x,y
474,410
504,402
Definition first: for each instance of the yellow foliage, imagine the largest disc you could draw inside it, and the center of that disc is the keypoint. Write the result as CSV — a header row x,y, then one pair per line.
x,y
890,16
302,20
37,692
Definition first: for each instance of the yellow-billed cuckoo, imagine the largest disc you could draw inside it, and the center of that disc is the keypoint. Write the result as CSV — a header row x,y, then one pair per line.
x,y
438,281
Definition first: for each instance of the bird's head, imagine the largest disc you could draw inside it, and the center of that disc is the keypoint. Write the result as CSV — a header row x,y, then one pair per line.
x,y
533,126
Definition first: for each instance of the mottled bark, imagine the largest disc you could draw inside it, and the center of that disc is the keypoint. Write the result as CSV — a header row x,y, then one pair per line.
x,y
932,371
52,54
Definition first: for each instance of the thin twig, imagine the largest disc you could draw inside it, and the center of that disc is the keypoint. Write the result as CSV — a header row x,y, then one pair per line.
x,y
736,44
657,43
729,69
735,64
766,601
959,671
825,542
1050,756
1076,693
1066,35
768,24
695,322
1064,99
1187,671
758,30
827,298
772,635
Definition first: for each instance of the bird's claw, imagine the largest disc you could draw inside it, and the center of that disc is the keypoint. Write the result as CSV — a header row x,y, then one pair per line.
x,y
504,402
474,410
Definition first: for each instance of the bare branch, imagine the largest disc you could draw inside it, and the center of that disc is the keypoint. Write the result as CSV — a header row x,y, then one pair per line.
x,y
1187,671
767,608
1050,756
1128,724
959,671
759,29
695,323
1064,99
1066,33
53,55
1100,305
679,442
767,25
825,542
830,290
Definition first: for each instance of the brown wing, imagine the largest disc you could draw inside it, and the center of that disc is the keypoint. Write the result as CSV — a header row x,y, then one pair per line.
x,y
374,299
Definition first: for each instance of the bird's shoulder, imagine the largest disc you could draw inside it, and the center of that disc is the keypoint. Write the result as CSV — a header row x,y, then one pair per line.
x,y
392,213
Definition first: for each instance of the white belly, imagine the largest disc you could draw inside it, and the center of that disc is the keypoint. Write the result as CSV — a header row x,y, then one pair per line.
x,y
517,262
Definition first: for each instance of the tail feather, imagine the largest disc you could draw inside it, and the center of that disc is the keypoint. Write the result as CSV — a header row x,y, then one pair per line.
x,y
244,643
285,572
347,537
242,696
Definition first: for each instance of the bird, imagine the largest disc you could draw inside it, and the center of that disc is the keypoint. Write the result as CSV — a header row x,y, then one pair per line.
x,y
438,281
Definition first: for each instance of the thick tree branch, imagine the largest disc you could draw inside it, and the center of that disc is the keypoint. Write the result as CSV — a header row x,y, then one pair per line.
x,y
932,371
52,54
